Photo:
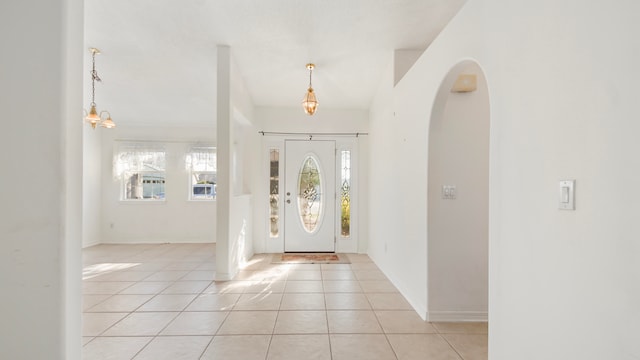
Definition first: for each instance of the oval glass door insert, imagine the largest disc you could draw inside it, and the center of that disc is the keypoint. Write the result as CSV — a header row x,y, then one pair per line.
x,y
310,202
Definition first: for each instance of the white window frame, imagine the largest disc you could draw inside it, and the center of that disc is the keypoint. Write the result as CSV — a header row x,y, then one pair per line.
x,y
202,160
137,159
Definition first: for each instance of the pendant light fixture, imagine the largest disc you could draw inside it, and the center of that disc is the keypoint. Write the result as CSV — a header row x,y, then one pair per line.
x,y
93,117
310,104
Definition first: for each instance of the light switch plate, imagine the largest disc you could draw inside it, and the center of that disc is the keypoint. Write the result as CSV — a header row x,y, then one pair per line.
x,y
566,195
449,192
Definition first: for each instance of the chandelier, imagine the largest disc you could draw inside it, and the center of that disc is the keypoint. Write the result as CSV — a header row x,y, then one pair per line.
x,y
93,117
310,103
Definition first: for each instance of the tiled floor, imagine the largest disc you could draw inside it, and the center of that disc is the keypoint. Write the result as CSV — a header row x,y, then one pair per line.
x,y
160,302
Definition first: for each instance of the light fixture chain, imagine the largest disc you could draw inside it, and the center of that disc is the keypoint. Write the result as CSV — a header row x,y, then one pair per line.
x,y
94,78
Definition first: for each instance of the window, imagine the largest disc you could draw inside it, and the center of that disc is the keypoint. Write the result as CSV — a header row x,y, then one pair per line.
x,y
141,169
345,194
201,164
274,191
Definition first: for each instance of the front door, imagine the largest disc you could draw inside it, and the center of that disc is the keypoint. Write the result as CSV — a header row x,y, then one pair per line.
x,y
309,196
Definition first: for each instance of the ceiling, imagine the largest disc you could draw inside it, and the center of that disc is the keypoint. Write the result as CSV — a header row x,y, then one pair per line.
x,y
158,60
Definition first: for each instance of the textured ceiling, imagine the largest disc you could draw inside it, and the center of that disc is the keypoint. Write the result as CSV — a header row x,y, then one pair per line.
x,y
159,56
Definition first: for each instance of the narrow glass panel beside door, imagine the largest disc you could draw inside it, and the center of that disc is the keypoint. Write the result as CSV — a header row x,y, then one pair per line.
x,y
274,191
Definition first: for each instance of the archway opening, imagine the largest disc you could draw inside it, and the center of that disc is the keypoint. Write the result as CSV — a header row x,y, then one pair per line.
x,y
458,197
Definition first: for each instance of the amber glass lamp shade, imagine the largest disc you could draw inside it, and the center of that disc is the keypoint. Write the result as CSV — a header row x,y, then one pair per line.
x,y
310,104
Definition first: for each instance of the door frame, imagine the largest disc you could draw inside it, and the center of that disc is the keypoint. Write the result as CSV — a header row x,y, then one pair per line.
x,y
265,243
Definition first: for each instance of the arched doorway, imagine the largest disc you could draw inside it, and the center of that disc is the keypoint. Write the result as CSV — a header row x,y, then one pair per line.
x,y
458,197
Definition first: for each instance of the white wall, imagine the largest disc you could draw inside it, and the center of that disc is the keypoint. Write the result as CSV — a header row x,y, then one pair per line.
x,y
294,120
458,229
40,226
175,220
91,185
563,106
237,153
398,191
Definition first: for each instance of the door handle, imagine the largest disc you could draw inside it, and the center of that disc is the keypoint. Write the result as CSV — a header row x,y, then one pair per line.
x,y
288,201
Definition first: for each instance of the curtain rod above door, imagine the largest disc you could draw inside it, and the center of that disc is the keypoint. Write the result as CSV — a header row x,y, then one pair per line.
x,y
311,134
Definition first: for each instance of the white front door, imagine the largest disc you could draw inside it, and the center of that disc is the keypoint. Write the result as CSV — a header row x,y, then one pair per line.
x,y
309,207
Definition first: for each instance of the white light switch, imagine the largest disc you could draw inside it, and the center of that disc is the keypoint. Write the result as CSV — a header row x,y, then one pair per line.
x,y
566,199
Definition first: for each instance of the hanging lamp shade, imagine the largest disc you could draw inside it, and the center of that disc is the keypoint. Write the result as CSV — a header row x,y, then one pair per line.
x,y
108,123
310,103
93,118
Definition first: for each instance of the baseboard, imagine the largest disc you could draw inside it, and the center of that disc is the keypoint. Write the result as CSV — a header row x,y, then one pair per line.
x,y
90,244
457,316
156,241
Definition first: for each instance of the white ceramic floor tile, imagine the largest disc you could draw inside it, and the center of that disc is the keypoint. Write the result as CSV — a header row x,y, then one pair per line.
x,y
141,324
121,303
338,275
105,287
403,322
209,275
369,275
213,302
342,286
308,347
124,276
268,287
93,324
249,323
388,301
174,348
174,302
304,275
89,301
302,301
196,323
187,287
377,286
238,347
113,348
258,302
347,301
301,322
227,287
353,322
469,346
421,347
303,286
165,275
361,347
146,287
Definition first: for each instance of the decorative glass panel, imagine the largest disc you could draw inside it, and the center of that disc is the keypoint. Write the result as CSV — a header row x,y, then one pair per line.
x,y
310,194
345,195
274,191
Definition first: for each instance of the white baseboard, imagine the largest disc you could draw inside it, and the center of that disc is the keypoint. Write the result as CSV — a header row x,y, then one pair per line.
x,y
92,243
457,316
152,241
